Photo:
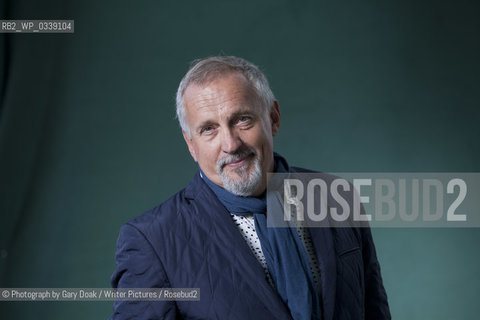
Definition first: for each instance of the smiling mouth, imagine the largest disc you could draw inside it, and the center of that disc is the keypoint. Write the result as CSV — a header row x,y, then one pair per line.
x,y
239,162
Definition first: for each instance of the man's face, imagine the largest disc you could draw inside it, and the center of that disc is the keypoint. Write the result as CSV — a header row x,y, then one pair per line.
x,y
231,133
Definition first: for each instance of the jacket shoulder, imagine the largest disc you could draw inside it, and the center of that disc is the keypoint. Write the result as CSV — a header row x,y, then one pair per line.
x,y
172,214
159,221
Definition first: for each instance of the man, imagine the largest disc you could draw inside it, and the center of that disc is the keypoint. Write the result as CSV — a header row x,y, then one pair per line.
x,y
212,235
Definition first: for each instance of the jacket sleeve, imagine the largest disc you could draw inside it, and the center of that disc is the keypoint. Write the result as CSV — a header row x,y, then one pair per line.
x,y
376,303
138,266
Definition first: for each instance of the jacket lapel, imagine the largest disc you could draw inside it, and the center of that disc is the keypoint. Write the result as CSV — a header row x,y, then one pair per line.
x,y
236,249
324,245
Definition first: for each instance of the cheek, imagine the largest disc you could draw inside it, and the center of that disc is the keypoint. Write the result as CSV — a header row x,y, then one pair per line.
x,y
207,154
261,136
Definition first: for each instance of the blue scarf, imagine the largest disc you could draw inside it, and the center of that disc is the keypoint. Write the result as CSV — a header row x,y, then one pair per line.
x,y
284,252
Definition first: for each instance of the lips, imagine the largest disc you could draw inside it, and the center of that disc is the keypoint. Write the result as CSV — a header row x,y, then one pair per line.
x,y
238,161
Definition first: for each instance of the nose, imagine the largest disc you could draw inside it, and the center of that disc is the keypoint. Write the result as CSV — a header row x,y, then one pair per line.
x,y
230,141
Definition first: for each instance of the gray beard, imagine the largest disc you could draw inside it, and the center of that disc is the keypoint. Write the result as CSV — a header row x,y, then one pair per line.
x,y
247,183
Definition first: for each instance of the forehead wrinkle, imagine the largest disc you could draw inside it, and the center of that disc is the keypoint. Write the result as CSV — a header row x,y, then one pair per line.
x,y
219,97
219,101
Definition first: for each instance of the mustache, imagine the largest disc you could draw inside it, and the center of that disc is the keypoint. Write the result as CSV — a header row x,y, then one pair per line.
x,y
233,157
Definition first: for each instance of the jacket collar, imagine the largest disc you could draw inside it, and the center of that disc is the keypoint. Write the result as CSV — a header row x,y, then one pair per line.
x,y
246,262
237,250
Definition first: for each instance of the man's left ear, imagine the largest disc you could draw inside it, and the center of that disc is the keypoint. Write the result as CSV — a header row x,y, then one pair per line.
x,y
275,117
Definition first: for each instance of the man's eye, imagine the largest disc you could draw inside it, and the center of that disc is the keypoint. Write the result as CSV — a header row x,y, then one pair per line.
x,y
244,119
207,129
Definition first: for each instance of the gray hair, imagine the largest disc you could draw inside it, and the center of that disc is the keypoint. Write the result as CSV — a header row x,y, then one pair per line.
x,y
204,71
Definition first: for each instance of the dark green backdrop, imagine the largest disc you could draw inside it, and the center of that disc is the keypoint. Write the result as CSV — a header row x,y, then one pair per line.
x,y
88,137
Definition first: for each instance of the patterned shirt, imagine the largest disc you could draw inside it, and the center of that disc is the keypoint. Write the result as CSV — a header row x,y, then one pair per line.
x,y
246,225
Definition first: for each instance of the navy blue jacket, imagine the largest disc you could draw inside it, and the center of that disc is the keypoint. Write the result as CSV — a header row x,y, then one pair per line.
x,y
190,241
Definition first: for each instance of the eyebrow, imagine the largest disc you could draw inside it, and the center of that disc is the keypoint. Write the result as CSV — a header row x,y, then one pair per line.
x,y
242,112
203,125
232,116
